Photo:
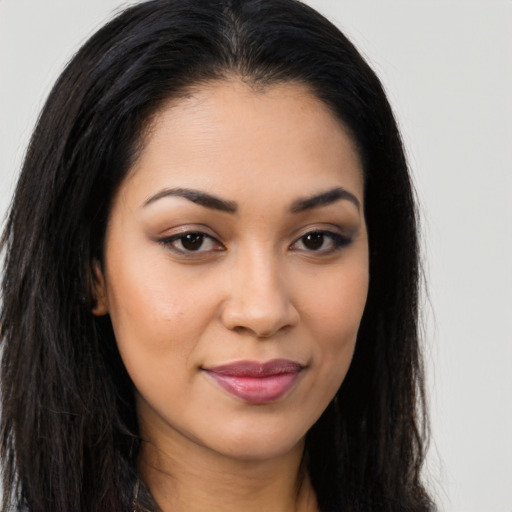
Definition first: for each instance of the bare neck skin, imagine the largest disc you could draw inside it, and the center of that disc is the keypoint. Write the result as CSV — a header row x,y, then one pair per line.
x,y
187,478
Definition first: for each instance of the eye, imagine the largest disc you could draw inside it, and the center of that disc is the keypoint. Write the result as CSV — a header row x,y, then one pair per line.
x,y
321,241
192,241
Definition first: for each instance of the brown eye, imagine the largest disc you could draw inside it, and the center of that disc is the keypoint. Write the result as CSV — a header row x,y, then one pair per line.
x,y
321,242
313,241
192,241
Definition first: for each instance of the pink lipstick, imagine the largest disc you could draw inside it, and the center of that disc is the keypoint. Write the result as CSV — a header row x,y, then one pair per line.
x,y
254,382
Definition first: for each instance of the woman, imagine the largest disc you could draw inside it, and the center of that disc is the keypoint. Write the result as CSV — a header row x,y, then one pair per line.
x,y
210,283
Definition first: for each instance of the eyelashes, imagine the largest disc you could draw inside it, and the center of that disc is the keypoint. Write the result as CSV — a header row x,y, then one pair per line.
x,y
192,241
321,241
199,244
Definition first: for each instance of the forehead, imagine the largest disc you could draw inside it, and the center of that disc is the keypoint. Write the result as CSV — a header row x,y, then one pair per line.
x,y
226,133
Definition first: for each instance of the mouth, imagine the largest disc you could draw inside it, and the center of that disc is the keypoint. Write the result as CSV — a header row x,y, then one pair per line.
x,y
255,382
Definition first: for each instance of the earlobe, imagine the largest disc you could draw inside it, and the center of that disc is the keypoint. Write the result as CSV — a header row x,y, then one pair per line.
x,y
100,307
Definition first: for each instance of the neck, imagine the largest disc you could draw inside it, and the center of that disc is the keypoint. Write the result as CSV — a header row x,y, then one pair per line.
x,y
194,479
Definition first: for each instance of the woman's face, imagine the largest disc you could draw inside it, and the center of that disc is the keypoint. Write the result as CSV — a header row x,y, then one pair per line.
x,y
236,268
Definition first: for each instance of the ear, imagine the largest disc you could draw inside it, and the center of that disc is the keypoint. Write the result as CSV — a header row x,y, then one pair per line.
x,y
100,291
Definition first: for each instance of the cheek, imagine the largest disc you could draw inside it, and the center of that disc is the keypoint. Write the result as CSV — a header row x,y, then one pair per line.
x,y
335,309
155,316
336,301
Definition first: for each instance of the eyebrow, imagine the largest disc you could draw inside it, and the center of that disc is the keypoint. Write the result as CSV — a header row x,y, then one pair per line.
x,y
324,199
197,197
216,203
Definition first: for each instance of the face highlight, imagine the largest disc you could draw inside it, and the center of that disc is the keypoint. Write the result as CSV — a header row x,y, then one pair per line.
x,y
236,269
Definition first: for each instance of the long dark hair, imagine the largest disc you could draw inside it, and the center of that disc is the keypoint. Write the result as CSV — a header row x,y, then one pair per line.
x,y
69,433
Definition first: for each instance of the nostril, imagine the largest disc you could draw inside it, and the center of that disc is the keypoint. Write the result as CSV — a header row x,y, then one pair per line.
x,y
241,330
261,334
261,308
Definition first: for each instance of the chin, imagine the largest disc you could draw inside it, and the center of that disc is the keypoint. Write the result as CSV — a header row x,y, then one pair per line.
x,y
258,443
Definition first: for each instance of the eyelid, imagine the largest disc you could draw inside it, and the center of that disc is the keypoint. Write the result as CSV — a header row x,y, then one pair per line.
x,y
187,228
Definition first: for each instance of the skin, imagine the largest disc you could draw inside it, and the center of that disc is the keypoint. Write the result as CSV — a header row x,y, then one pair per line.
x,y
258,288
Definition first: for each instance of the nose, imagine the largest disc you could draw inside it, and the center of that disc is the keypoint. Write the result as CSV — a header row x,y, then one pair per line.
x,y
259,302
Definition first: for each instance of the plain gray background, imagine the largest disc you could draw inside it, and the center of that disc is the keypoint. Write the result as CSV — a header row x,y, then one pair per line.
x,y
446,65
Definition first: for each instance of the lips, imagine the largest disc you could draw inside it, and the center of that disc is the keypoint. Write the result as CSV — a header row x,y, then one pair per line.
x,y
255,382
